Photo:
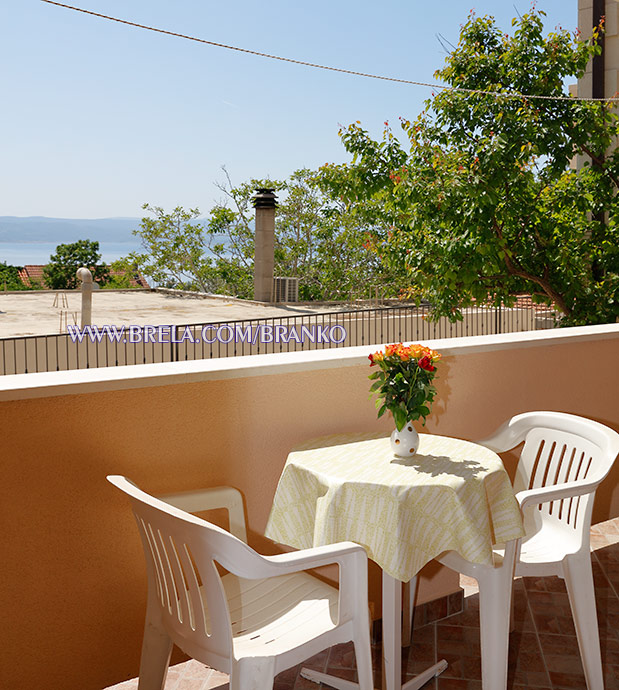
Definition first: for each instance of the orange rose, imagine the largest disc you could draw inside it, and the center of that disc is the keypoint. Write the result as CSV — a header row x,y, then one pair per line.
x,y
376,357
392,349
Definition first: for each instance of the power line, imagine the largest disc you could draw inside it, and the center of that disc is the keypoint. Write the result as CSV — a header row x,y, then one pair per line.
x,y
500,94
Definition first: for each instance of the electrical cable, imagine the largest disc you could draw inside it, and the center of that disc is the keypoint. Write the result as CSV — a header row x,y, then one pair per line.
x,y
501,94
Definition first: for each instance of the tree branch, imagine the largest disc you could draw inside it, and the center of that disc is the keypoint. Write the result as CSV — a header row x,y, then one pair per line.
x,y
514,269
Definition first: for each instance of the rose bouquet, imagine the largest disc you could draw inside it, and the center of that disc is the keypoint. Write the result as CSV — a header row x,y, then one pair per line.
x,y
403,381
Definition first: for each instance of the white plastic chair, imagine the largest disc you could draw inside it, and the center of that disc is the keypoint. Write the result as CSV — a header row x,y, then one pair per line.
x,y
263,616
563,461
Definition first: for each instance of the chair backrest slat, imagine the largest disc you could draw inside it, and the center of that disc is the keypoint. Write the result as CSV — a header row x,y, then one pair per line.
x,y
181,554
184,604
199,618
550,457
189,538
149,550
559,449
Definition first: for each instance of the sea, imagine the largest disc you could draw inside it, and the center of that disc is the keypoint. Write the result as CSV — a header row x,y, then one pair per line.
x,y
21,253
35,232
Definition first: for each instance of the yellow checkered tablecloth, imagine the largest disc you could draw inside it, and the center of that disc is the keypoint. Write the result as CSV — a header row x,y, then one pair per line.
x,y
452,495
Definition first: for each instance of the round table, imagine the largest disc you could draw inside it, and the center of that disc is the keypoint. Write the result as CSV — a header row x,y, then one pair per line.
x,y
453,495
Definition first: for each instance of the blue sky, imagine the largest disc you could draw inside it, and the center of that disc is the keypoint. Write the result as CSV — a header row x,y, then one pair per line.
x,y
99,118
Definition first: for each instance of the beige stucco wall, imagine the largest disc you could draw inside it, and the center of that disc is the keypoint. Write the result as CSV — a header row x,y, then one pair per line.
x,y
73,582
611,46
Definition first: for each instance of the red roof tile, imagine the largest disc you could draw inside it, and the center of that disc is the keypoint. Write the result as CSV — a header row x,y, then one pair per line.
x,y
34,272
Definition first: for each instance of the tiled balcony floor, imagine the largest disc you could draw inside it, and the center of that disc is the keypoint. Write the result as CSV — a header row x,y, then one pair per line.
x,y
543,647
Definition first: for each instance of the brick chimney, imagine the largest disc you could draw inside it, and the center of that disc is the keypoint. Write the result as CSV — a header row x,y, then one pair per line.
x,y
264,253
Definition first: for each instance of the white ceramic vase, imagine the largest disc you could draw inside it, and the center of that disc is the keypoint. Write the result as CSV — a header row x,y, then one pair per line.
x,y
405,443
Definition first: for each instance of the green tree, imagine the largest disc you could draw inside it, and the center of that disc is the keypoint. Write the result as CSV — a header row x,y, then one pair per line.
x,y
62,267
121,273
316,240
9,277
173,246
326,245
483,201
231,234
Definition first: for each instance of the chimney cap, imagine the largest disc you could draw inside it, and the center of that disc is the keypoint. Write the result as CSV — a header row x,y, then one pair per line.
x,y
265,198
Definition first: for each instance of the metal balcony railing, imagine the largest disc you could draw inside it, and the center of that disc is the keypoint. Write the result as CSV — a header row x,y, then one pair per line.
x,y
148,344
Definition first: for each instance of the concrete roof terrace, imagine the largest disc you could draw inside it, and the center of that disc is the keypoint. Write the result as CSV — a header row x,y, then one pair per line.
x,y
48,311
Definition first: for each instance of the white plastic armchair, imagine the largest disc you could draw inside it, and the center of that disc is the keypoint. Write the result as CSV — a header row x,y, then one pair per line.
x,y
213,498
563,461
263,616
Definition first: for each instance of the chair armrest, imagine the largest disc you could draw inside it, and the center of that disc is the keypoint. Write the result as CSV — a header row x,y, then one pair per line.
x,y
254,566
211,499
546,494
353,572
315,557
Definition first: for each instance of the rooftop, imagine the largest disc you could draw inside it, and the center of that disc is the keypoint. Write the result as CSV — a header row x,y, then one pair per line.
x,y
35,273
45,312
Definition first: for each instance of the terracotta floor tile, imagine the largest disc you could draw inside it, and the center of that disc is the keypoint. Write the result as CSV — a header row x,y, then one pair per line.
x,y
419,656
526,662
608,527
457,684
342,656
288,677
194,669
610,651
345,673
191,684
436,610
460,647
217,681
566,681
608,554
611,676
455,603
469,617
302,684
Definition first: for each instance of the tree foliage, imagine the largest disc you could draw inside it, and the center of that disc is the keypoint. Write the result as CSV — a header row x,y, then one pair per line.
x,y
173,246
60,272
483,201
9,277
316,239
122,272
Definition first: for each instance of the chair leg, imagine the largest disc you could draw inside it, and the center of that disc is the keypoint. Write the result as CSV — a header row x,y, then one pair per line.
x,y
495,592
579,583
156,651
253,673
363,656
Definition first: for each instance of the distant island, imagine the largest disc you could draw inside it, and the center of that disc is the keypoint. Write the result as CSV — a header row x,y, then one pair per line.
x,y
39,229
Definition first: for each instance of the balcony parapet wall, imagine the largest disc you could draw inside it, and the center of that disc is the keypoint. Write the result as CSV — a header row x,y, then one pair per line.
x,y
48,384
